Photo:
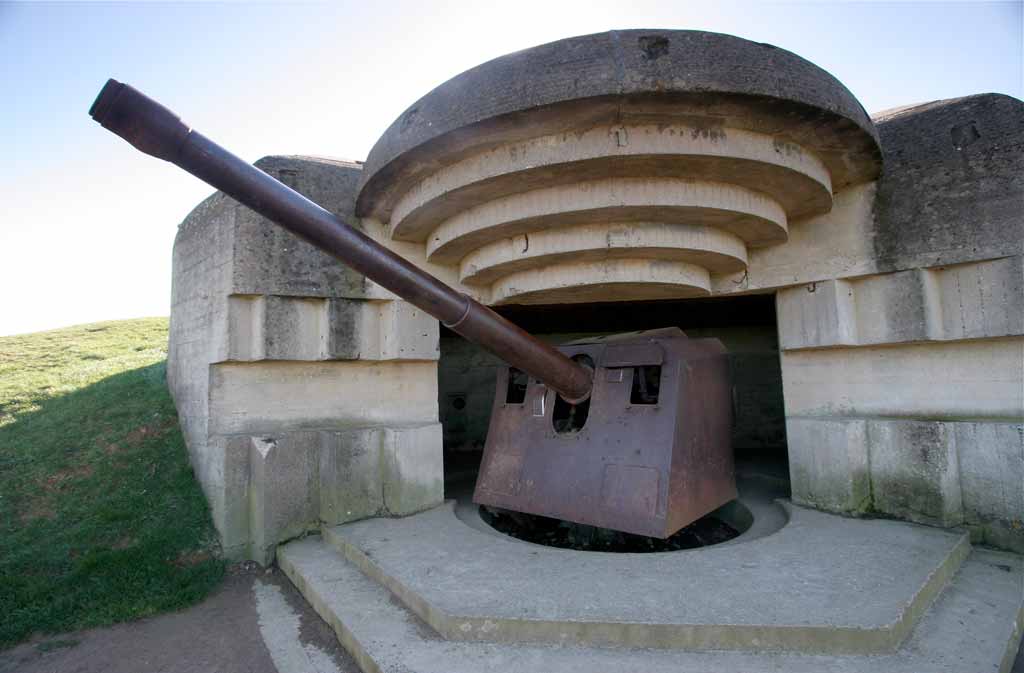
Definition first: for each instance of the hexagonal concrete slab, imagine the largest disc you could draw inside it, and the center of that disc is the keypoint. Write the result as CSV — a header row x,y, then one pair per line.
x,y
974,626
821,584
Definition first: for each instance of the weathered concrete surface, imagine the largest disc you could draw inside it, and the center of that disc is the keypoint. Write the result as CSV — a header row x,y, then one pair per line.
x,y
708,247
290,482
273,346
657,127
273,395
750,215
949,303
788,174
829,464
861,591
953,182
267,260
947,473
950,193
974,626
819,248
905,395
283,497
609,77
946,380
271,327
915,472
589,282
991,466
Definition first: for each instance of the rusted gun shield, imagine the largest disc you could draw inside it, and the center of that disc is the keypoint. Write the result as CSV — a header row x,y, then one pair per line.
x,y
650,455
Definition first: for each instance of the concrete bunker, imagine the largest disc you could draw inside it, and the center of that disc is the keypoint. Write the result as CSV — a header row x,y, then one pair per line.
x,y
875,319
311,397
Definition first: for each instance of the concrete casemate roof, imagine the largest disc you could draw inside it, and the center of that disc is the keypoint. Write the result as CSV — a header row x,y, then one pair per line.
x,y
695,68
953,182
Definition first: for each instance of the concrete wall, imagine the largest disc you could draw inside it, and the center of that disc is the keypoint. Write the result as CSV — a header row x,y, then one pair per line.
x,y
904,373
306,393
905,396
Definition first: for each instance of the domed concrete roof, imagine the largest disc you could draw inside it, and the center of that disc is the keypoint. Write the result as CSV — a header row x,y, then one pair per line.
x,y
623,77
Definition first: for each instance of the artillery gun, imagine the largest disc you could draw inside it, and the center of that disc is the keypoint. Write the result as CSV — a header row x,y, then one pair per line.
x,y
628,432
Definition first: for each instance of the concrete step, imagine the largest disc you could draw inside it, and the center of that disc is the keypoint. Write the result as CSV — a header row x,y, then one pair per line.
x,y
821,584
973,627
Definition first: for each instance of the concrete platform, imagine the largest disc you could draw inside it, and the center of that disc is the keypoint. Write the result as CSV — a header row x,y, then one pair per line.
x,y
797,590
974,627
821,584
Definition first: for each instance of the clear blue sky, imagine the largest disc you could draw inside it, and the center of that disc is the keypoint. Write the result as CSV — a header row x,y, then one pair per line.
x,y
88,223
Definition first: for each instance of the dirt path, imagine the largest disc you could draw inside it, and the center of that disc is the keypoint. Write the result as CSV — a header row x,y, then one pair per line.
x,y
255,623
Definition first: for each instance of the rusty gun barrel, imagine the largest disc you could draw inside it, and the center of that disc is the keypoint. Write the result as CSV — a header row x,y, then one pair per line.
x,y
157,131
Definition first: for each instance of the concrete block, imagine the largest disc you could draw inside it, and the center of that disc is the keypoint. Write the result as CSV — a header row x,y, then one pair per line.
x,y
294,328
232,513
984,299
828,463
407,333
950,380
352,330
272,396
815,315
891,308
967,301
245,327
991,457
413,468
283,489
351,479
914,471
380,330
380,471
936,472
269,260
312,329
834,245
221,466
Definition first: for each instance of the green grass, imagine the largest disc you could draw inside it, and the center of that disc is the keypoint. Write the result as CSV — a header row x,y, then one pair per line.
x,y
101,519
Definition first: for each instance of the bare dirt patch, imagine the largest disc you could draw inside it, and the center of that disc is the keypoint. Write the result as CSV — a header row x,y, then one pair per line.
x,y
143,432
191,558
39,508
60,479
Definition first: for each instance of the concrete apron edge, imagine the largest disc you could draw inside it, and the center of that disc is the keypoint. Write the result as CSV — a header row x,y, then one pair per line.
x,y
824,639
347,639
1015,643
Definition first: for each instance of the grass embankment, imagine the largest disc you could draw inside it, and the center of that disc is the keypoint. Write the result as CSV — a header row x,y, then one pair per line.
x,y
101,519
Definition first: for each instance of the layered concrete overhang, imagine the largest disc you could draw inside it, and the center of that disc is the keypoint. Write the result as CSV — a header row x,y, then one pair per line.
x,y
621,165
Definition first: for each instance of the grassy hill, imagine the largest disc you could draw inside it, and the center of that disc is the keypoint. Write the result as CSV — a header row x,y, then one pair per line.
x,y
101,519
